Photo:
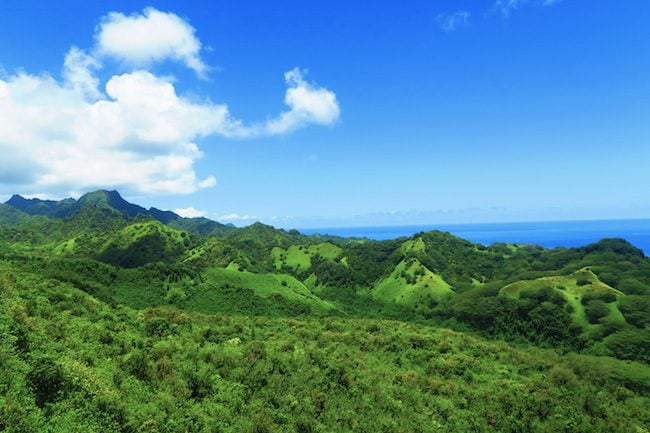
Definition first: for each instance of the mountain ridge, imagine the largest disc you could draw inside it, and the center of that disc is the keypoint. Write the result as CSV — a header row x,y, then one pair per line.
x,y
113,200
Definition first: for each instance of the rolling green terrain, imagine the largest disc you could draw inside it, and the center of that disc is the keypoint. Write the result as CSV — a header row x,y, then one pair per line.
x,y
118,318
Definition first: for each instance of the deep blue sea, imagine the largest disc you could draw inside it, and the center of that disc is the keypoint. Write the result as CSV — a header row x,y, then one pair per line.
x,y
548,234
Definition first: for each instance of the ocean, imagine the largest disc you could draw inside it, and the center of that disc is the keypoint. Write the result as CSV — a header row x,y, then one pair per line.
x,y
549,234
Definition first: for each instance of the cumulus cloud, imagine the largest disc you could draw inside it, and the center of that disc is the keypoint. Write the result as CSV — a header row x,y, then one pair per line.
x,y
139,138
152,36
134,131
449,22
190,212
307,104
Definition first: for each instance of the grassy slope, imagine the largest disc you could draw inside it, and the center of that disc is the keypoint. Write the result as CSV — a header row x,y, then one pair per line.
x,y
298,257
569,287
420,288
265,285
65,247
216,290
413,246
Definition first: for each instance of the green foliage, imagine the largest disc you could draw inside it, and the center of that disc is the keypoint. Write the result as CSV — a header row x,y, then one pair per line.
x,y
596,310
636,310
46,381
117,318
299,258
11,216
538,316
630,344
145,242
92,367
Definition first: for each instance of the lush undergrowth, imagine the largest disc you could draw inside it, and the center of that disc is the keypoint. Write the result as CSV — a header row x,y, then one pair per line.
x,y
72,363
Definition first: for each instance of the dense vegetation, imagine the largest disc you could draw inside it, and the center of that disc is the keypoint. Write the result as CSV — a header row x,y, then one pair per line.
x,y
117,318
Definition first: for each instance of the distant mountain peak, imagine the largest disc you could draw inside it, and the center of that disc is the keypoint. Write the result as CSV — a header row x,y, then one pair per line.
x,y
16,198
261,225
33,206
101,195
112,200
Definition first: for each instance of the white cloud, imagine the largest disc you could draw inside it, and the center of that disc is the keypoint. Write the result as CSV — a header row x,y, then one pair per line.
x,y
139,138
134,132
232,217
507,6
308,104
452,21
78,73
153,36
190,212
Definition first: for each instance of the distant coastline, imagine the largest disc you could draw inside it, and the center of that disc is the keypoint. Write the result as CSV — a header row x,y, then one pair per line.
x,y
548,234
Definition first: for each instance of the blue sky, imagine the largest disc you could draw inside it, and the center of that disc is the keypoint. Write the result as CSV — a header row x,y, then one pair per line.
x,y
435,112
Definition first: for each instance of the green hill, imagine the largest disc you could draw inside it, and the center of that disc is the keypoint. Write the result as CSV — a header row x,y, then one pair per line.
x,y
258,240
411,283
10,215
145,242
199,225
413,246
581,289
278,288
